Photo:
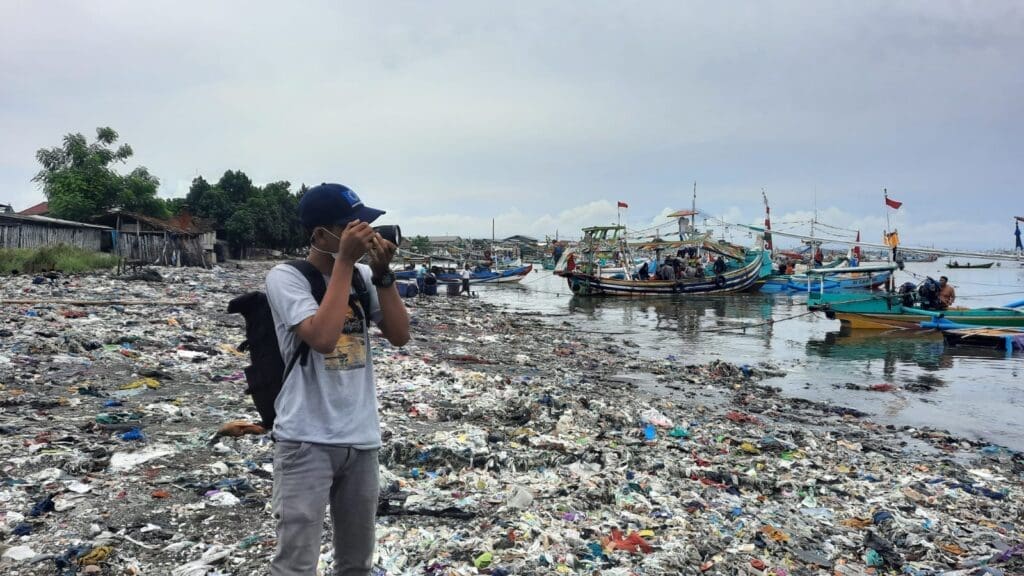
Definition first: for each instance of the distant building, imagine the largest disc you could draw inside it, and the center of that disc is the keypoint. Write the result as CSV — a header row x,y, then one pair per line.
x,y
28,231
41,209
528,248
444,240
520,239
142,238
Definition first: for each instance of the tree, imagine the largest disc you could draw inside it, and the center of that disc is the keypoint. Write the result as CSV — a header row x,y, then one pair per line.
x,y
420,244
80,182
248,215
236,185
241,227
138,194
196,192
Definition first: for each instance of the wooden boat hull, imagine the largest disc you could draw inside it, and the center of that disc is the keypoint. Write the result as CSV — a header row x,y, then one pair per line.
x,y
1009,340
489,277
985,266
862,321
734,281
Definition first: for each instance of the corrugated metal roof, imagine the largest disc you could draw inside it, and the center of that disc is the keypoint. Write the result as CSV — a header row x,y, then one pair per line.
x,y
50,221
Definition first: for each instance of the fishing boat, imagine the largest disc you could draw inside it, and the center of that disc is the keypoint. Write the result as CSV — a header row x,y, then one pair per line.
x,y
969,265
905,309
1009,340
736,280
478,275
841,282
790,283
600,253
484,275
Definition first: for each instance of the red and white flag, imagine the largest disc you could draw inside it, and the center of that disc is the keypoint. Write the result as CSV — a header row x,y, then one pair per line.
x,y
892,203
623,204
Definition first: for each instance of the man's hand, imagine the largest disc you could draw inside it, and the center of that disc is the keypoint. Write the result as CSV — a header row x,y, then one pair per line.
x,y
356,239
381,252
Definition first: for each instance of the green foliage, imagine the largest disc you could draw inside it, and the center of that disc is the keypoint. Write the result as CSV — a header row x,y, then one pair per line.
x,y
249,215
60,257
420,244
80,182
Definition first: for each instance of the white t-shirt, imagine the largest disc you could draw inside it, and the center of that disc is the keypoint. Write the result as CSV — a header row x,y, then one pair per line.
x,y
332,399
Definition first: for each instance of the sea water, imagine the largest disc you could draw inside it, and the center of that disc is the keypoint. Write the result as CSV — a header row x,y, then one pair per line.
x,y
972,392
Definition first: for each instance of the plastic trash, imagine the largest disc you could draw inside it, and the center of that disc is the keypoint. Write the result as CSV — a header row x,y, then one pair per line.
x,y
501,436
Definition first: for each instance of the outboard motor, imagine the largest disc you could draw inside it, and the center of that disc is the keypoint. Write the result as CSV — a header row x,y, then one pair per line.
x,y
908,292
928,291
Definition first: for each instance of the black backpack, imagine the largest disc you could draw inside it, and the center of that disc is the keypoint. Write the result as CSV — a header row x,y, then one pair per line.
x,y
267,371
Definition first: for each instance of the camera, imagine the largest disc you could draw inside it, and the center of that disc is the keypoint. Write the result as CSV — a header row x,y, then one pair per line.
x,y
392,233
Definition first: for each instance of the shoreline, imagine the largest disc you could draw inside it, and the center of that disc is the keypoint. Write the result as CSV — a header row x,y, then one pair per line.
x,y
497,441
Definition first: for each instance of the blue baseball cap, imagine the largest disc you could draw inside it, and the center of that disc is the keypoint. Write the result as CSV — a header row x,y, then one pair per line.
x,y
333,204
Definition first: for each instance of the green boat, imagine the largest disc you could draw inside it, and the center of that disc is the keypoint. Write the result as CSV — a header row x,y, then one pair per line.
x,y
888,310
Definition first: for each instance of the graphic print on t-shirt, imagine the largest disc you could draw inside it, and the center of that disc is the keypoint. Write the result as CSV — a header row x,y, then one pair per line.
x,y
350,350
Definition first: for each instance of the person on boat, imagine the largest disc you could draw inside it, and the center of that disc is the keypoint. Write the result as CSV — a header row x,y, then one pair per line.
x,y
643,273
819,258
570,263
790,268
666,272
720,266
466,275
947,295
677,267
698,271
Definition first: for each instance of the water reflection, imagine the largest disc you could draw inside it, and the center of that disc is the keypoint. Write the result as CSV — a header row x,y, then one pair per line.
x,y
926,351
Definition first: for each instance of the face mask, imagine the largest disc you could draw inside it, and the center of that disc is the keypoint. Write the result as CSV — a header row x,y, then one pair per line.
x,y
333,255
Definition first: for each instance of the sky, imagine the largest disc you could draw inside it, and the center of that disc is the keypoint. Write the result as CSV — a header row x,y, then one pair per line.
x,y
541,116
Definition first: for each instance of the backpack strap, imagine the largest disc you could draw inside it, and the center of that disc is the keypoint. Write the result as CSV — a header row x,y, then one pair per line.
x,y
362,294
313,276
318,288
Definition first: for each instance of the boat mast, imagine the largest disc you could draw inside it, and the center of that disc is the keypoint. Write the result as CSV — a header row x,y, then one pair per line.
x,y
693,222
888,226
767,224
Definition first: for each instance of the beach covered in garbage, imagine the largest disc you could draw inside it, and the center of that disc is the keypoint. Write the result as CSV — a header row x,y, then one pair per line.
x,y
512,445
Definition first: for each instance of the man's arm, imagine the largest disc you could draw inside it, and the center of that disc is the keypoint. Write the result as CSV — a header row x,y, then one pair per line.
x,y
322,330
394,322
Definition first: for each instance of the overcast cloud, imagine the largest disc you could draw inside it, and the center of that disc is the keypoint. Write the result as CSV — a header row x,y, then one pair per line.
x,y
543,115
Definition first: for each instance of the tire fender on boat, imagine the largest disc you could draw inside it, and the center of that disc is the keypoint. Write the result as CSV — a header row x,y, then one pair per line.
x,y
720,281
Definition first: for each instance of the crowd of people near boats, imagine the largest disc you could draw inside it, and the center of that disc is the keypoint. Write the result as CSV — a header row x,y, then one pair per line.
x,y
684,264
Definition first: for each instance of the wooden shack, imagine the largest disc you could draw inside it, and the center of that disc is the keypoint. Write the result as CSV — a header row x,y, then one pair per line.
x,y
29,231
146,240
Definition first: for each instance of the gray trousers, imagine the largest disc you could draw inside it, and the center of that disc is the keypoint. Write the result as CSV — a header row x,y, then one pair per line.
x,y
308,477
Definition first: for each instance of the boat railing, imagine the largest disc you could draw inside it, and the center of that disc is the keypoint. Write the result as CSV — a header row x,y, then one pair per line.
x,y
821,273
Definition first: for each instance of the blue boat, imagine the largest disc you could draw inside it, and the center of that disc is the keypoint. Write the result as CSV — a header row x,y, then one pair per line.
x,y
479,275
791,283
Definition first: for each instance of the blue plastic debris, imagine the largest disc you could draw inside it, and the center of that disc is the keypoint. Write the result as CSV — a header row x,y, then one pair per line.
x,y
133,435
